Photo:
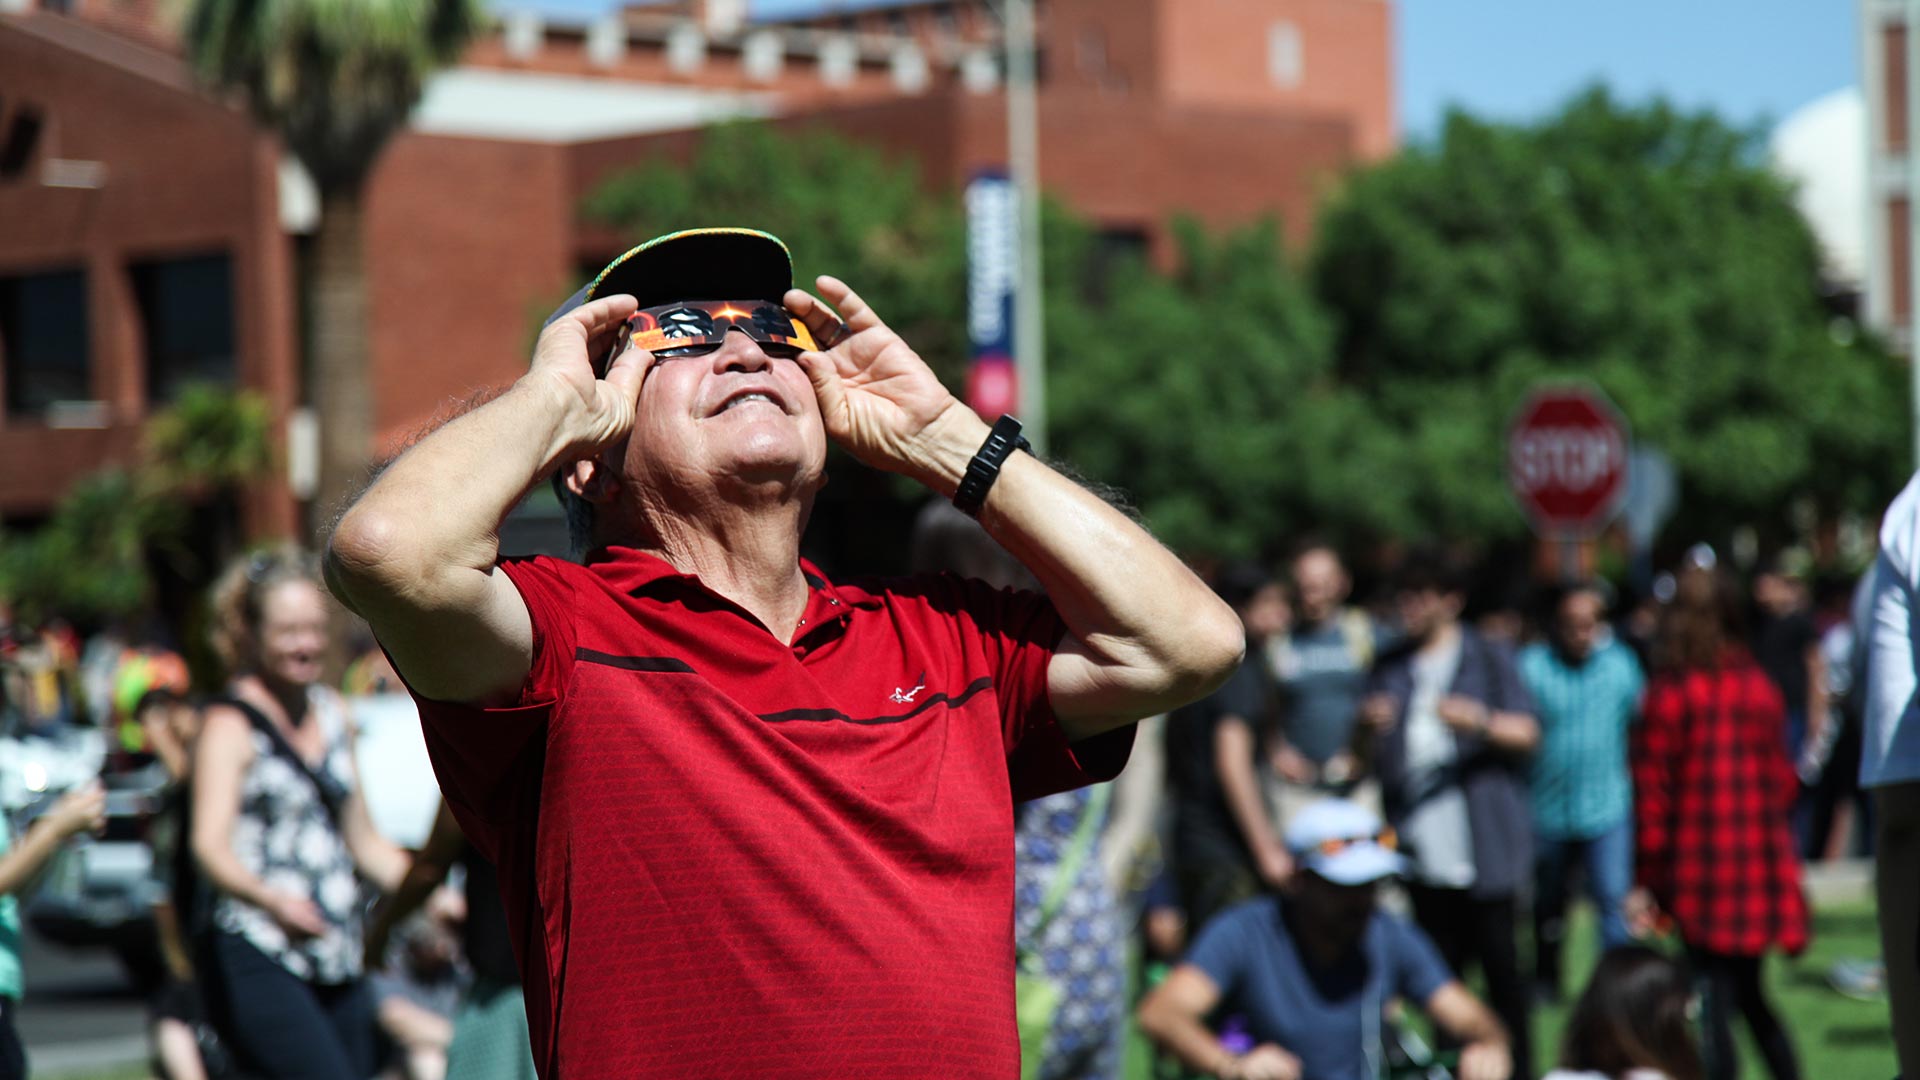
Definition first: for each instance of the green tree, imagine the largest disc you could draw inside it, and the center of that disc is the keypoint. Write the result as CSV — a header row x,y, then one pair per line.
x,y
95,557
1207,394
335,79
1643,248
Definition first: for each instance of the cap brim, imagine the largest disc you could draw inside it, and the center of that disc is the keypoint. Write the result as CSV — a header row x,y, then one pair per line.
x,y
1356,865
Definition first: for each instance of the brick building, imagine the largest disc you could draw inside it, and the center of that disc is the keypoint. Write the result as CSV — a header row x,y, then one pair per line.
x,y
149,236
1888,47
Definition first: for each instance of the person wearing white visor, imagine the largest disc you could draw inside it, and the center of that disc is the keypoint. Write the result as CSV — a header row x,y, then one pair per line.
x,y
1312,969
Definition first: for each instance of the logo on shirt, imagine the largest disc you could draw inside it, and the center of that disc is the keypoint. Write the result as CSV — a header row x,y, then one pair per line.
x,y
905,697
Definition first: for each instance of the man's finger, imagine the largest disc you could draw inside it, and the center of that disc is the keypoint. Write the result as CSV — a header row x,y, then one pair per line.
x,y
577,329
820,320
853,309
628,371
827,389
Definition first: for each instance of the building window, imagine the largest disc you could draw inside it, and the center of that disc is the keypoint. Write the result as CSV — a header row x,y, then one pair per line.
x,y
44,341
186,313
1286,55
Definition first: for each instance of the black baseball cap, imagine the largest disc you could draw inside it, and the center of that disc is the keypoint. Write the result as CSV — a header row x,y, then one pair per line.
x,y
727,263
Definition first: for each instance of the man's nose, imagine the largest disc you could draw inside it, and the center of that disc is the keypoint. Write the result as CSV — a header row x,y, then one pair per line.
x,y
739,352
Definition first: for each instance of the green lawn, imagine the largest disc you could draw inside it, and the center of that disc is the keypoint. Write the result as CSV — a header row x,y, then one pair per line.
x,y
1837,1038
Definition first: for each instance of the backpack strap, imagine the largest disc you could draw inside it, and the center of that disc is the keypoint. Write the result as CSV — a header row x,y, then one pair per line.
x,y
1077,849
331,795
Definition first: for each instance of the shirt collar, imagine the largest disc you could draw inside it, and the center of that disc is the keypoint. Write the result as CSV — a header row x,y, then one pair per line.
x,y
636,572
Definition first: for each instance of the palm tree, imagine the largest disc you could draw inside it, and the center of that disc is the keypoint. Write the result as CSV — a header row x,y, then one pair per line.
x,y
335,79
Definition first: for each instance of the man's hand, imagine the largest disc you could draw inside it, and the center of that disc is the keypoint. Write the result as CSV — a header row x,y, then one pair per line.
x,y
1380,712
877,397
600,409
1275,865
1264,1062
1463,714
1485,1061
1294,766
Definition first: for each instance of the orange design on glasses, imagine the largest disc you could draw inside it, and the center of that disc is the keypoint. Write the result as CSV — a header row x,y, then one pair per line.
x,y
1384,838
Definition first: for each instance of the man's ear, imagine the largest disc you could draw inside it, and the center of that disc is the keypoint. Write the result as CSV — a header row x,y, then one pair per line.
x,y
592,480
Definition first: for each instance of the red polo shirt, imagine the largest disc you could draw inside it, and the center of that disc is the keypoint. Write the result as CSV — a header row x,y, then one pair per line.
x,y
727,855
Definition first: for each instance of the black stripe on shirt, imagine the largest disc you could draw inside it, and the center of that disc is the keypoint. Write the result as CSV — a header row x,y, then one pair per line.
x,y
634,663
984,682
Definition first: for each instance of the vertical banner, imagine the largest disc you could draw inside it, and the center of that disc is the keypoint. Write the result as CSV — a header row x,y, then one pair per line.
x,y
992,248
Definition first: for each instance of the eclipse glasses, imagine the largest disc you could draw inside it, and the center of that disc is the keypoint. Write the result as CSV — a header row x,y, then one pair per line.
x,y
698,327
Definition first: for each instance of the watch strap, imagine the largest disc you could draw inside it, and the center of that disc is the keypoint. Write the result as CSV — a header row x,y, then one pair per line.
x,y
984,469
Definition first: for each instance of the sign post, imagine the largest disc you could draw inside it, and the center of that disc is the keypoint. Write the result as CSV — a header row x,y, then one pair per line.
x,y
1567,457
993,384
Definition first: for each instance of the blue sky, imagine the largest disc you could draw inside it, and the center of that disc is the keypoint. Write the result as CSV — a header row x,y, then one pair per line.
x,y
1750,59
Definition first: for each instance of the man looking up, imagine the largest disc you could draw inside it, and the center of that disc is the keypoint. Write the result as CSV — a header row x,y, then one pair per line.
x,y
749,821
1311,969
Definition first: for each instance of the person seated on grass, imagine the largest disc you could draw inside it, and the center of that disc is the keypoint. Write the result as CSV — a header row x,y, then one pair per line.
x,y
1312,969
1634,1022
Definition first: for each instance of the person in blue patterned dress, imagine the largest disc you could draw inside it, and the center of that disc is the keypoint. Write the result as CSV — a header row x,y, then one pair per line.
x,y
1082,946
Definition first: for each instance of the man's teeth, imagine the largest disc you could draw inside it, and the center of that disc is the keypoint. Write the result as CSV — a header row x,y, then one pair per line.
x,y
742,399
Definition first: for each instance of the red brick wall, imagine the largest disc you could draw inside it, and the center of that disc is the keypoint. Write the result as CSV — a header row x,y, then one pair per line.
x,y
469,243
182,177
1216,53
1123,162
1900,259
1893,63
1105,46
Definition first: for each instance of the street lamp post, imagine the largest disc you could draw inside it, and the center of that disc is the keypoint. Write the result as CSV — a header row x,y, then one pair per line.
x,y
1023,168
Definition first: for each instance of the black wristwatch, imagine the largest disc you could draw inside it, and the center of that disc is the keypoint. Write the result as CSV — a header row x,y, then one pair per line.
x,y
984,469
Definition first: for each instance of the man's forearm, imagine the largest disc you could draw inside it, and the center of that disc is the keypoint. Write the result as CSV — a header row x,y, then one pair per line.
x,y
438,508
1124,596
1189,1040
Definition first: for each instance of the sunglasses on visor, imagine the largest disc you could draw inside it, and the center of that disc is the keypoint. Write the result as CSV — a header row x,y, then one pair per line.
x,y
1385,838
697,327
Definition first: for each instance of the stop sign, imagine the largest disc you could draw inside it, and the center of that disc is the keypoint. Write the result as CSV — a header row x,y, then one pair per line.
x,y
1567,460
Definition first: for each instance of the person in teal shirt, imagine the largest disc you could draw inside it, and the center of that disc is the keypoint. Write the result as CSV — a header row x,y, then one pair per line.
x,y
82,809
1587,687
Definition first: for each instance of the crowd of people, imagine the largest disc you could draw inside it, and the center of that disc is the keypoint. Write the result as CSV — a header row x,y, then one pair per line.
x,y
1674,760
1401,749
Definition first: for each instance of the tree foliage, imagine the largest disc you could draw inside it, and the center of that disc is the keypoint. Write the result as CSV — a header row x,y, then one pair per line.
x,y
94,558
336,78
1642,248
1200,392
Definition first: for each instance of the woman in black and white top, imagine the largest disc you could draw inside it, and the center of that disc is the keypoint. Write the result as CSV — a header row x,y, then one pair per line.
x,y
281,833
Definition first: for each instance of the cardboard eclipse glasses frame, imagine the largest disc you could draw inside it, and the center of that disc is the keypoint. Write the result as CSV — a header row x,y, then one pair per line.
x,y
698,327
